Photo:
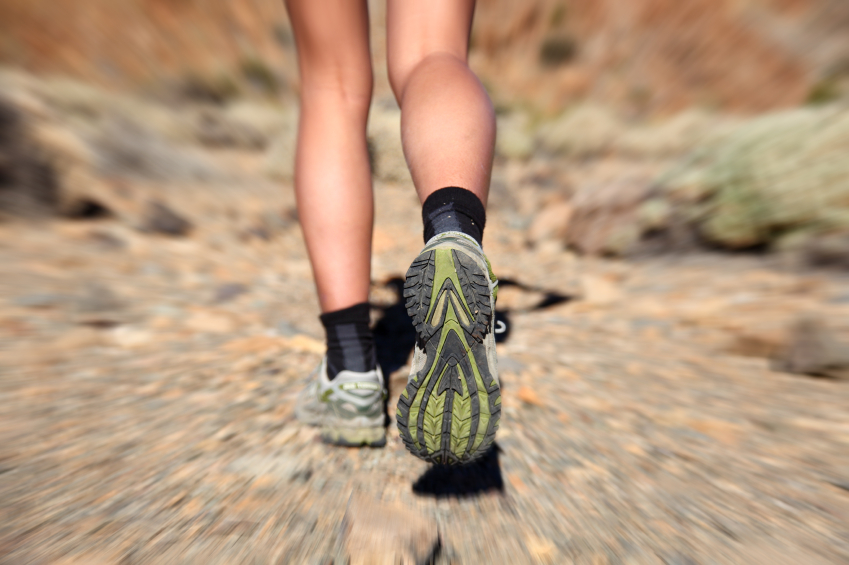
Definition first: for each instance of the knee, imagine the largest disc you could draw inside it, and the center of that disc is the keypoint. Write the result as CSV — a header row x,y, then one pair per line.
x,y
401,69
340,82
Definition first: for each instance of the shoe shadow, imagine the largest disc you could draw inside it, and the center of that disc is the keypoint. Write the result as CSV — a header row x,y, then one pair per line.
x,y
394,335
479,477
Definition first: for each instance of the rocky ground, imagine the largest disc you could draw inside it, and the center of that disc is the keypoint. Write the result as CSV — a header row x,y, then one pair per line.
x,y
655,409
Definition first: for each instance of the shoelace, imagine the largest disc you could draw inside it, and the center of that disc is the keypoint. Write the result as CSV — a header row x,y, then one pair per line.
x,y
500,327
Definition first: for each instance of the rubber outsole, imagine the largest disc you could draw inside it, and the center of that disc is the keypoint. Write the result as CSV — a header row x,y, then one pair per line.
x,y
450,410
354,437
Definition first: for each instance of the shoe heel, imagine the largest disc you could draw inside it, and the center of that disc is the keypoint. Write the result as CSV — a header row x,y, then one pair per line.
x,y
354,437
450,410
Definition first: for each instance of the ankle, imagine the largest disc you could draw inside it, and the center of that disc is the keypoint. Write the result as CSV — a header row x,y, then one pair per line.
x,y
453,209
350,342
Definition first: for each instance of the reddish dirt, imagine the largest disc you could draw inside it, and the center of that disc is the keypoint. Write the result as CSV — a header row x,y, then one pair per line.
x,y
644,55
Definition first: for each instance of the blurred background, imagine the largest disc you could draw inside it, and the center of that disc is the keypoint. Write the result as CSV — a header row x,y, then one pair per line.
x,y
669,217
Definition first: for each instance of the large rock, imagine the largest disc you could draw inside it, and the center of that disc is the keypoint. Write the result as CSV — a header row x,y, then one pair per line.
x,y
27,183
606,218
771,175
46,167
779,181
78,151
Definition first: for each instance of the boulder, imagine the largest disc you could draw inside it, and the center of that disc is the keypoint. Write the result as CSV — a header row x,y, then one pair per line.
x,y
606,218
771,175
27,183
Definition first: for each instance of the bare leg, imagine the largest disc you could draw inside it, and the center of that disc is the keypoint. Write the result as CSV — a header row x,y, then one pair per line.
x,y
447,119
332,174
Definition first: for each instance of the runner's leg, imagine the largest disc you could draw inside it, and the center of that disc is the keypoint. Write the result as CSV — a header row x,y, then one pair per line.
x,y
335,206
447,119
332,174
450,410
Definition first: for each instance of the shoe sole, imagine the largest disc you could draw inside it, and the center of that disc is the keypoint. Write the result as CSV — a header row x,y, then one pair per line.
x,y
450,410
354,437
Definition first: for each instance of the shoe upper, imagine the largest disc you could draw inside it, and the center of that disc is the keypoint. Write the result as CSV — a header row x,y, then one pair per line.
x,y
351,397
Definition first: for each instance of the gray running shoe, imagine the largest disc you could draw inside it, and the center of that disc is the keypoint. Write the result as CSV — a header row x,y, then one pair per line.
x,y
451,408
349,409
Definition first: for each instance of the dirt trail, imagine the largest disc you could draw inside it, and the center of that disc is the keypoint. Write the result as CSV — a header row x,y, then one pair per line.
x,y
147,387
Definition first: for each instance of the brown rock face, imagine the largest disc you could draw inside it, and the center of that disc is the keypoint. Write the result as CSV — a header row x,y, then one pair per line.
x,y
129,41
660,55
646,55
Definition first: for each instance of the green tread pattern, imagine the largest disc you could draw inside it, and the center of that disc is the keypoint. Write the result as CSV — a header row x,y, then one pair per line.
x,y
433,416
450,410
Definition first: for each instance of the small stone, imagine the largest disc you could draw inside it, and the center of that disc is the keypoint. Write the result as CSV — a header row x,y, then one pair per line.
x,y
514,139
382,240
131,338
286,329
814,349
761,341
229,291
517,483
159,218
40,300
529,396
599,291
828,251
510,365
107,240
551,223
844,485
383,533
306,343
98,298
79,338
210,323
541,549
724,432
259,344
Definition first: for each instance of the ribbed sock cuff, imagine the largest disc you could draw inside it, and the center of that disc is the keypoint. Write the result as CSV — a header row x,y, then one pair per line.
x,y
358,313
350,342
453,209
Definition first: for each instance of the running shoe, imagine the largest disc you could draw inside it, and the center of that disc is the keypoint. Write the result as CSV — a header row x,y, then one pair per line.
x,y
450,409
348,409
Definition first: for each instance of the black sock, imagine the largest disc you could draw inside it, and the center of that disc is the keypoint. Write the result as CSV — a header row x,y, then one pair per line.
x,y
350,343
453,209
